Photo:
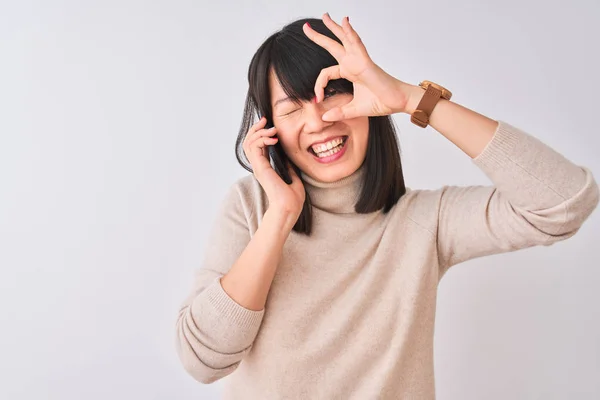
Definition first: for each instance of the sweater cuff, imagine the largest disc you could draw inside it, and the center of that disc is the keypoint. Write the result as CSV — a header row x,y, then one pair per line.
x,y
226,307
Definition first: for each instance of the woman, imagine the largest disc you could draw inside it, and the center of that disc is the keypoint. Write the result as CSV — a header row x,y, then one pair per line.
x,y
325,288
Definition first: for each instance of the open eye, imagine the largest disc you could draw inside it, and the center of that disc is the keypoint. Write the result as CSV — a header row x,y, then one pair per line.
x,y
330,92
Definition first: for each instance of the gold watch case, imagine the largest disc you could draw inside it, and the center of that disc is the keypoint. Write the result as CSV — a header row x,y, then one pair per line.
x,y
446,94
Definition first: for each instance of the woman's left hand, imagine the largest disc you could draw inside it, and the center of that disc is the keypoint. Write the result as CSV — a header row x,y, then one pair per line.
x,y
375,91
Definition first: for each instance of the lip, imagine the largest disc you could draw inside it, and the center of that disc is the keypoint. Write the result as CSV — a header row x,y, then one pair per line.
x,y
326,140
333,157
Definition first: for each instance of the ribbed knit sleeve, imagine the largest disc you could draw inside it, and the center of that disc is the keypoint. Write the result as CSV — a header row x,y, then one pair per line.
x,y
214,332
538,197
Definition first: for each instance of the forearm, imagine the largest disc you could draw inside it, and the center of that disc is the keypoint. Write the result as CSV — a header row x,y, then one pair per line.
x,y
467,129
249,280
529,174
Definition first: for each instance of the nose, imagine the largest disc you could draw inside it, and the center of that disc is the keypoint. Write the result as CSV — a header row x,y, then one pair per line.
x,y
313,122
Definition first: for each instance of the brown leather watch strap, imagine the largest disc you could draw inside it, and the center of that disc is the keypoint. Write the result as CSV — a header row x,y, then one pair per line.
x,y
421,115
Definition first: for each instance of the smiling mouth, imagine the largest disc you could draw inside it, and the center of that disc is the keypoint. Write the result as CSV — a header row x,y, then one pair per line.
x,y
328,152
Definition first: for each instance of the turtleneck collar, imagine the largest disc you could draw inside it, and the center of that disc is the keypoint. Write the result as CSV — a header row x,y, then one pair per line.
x,y
337,197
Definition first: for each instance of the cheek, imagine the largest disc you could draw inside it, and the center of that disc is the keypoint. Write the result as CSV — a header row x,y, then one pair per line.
x,y
288,139
360,132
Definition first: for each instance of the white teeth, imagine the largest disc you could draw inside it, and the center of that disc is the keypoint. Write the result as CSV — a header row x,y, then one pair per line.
x,y
329,152
319,148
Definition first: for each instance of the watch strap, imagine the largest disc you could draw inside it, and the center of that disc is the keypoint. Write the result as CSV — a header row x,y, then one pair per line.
x,y
420,116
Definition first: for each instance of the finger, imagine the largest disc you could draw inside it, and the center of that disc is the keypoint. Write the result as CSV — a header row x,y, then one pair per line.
x,y
298,186
266,142
263,133
259,124
335,28
253,134
296,181
349,32
254,128
326,75
262,143
339,113
259,148
333,47
292,171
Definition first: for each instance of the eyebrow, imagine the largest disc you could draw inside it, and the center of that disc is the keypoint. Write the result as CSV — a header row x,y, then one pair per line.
x,y
281,101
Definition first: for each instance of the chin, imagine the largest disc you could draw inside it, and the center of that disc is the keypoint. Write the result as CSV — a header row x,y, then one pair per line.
x,y
332,174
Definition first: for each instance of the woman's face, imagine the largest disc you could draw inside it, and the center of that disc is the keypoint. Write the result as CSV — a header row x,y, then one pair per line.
x,y
326,151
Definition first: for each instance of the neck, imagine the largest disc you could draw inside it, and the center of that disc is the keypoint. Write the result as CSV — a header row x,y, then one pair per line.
x,y
337,197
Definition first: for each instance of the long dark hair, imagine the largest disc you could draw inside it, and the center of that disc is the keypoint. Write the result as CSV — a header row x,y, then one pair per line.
x,y
297,62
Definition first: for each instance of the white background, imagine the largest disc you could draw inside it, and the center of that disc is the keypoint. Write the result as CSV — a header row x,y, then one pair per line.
x,y
117,128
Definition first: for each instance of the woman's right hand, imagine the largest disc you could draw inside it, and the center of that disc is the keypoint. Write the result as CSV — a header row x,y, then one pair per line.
x,y
283,197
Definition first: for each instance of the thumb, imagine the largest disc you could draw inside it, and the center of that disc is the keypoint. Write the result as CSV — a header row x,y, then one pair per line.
x,y
339,113
292,172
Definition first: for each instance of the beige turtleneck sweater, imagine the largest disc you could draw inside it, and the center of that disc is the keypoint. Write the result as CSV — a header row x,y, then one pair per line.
x,y
351,310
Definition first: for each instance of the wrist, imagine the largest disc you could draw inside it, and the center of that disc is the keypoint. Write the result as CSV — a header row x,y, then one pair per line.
x,y
284,219
414,95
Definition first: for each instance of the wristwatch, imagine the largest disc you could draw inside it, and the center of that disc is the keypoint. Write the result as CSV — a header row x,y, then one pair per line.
x,y
433,93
